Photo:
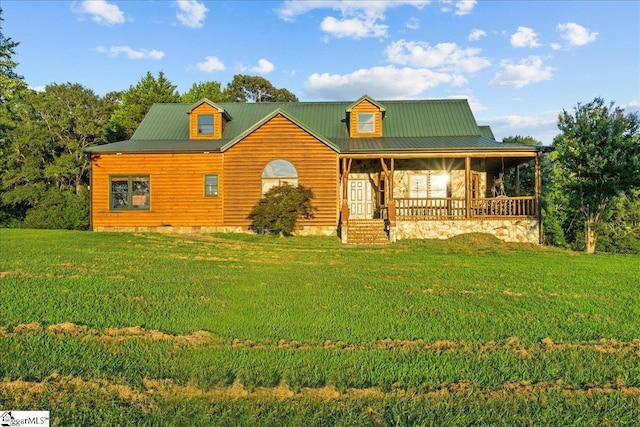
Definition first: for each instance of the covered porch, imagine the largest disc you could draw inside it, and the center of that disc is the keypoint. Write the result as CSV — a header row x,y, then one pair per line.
x,y
439,195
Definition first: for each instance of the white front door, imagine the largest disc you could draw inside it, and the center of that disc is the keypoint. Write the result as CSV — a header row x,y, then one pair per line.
x,y
360,199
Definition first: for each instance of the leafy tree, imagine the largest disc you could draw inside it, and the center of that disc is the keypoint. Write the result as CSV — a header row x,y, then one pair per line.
x,y
46,168
10,81
620,228
245,88
11,86
597,157
136,102
208,90
278,211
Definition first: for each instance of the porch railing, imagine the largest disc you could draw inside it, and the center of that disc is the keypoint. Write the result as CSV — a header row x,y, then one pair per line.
x,y
453,208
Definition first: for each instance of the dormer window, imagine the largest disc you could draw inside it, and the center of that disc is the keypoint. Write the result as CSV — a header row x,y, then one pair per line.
x,y
366,123
364,118
205,124
207,121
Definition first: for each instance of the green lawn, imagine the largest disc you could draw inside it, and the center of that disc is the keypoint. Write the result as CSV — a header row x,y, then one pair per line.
x,y
150,329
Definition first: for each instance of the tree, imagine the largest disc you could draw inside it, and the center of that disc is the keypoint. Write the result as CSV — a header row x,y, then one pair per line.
x,y
597,157
136,102
47,171
620,228
278,211
209,90
245,88
12,86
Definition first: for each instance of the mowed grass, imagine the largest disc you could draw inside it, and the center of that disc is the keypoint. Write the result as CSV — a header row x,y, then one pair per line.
x,y
152,329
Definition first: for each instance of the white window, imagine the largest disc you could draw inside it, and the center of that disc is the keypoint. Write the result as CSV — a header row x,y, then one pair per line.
x,y
277,173
432,185
438,185
205,124
418,186
366,123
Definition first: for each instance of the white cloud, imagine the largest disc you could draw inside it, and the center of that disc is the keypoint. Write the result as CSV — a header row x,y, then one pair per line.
x,y
476,34
264,67
131,53
463,7
380,82
524,37
358,19
356,28
38,89
192,13
292,8
541,126
443,56
101,11
210,65
556,46
413,24
527,71
631,106
576,35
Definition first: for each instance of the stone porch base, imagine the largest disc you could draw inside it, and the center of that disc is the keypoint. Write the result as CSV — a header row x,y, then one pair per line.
x,y
508,230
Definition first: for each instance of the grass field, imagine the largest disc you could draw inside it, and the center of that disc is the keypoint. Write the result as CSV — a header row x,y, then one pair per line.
x,y
151,329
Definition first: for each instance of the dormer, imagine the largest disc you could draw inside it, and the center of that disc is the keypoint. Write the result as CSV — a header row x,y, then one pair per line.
x,y
207,120
364,118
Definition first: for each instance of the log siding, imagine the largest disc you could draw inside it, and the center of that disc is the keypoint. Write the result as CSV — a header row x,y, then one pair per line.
x,y
279,138
177,196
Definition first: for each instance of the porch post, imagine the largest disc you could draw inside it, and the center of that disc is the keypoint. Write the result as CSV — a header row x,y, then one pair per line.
x,y
537,192
344,211
391,204
467,186
517,183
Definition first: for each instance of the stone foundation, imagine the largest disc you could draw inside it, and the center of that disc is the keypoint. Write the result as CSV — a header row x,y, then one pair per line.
x,y
302,231
520,230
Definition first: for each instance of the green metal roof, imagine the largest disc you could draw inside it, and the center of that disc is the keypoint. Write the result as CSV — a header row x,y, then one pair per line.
x,y
431,143
407,125
486,132
159,146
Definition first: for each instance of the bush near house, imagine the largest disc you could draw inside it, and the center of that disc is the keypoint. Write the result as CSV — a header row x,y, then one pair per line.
x,y
280,208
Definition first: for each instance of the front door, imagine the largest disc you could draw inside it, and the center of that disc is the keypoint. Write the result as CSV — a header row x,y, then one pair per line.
x,y
360,200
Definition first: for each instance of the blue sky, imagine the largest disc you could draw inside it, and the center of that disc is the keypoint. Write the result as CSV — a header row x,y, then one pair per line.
x,y
519,63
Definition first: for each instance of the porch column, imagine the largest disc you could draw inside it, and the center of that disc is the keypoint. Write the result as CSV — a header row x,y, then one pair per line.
x,y
344,210
537,189
467,186
391,205
516,187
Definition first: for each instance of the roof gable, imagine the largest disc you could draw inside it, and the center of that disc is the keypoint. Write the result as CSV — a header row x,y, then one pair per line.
x,y
270,116
212,105
366,98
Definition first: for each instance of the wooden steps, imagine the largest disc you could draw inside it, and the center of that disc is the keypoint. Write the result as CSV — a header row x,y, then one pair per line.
x,y
367,232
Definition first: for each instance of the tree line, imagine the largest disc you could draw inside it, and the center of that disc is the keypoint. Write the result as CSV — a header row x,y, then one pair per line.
x,y
591,178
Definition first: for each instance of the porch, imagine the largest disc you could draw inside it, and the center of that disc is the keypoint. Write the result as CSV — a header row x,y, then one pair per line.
x,y
441,197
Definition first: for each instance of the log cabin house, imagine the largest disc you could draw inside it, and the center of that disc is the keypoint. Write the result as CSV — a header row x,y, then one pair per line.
x,y
380,171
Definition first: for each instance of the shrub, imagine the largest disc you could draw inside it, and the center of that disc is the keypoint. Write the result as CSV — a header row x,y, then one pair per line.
x,y
60,210
278,211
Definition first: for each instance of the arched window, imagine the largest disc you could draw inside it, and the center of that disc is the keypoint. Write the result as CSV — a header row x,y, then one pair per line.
x,y
277,173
